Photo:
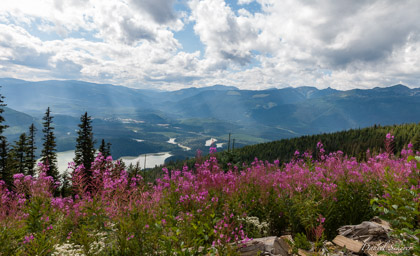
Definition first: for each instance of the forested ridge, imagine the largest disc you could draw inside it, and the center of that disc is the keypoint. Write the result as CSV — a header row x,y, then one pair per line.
x,y
353,143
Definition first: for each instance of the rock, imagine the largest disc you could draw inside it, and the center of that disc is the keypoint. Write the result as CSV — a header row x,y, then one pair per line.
x,y
252,248
350,244
268,242
381,222
366,231
328,244
303,252
282,245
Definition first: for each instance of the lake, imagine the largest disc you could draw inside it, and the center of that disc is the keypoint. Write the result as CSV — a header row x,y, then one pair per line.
x,y
152,159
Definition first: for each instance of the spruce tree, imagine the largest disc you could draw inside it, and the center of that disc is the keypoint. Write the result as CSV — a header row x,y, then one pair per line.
x,y
416,142
30,154
2,126
85,151
17,156
4,172
48,154
105,148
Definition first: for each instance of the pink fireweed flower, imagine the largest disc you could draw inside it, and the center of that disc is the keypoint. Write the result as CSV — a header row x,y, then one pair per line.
x,y
28,239
321,219
213,150
18,176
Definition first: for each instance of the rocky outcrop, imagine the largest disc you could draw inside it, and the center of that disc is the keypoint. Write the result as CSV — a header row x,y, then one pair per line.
x,y
367,238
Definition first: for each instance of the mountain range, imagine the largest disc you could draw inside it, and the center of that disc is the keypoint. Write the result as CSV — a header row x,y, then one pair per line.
x,y
139,121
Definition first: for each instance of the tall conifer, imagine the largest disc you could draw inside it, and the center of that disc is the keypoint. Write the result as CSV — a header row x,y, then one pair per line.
x,y
17,156
31,147
105,148
85,151
49,155
4,172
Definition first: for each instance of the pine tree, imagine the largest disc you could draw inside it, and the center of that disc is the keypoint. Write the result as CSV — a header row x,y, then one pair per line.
x,y
4,172
49,155
30,154
85,151
105,148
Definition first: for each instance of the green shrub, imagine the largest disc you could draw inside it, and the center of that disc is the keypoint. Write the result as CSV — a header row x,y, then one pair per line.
x,y
301,242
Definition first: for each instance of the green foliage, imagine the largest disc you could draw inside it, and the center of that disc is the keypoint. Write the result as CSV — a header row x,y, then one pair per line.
x,y
35,212
31,148
307,212
85,150
5,173
42,244
105,148
350,206
17,156
301,242
371,138
400,205
10,238
2,126
49,155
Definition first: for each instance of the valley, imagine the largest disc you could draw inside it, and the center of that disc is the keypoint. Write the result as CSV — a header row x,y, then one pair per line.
x,y
181,122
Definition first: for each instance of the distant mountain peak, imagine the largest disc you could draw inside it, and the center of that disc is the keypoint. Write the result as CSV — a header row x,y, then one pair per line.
x,y
221,87
398,88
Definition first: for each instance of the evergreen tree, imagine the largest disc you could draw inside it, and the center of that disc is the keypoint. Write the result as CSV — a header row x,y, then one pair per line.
x,y
48,154
17,156
65,189
105,148
30,154
4,174
416,141
2,126
85,151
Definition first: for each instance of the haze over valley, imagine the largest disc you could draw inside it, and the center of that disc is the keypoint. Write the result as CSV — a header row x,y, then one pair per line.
x,y
138,121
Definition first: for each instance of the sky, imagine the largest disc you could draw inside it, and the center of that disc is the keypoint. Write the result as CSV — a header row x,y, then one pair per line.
x,y
250,44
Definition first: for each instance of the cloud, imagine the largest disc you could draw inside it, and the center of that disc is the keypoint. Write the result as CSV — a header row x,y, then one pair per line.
x,y
67,69
242,2
227,37
161,11
133,32
19,47
356,42
282,43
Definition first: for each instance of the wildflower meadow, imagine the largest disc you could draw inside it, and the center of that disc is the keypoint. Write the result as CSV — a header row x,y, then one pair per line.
x,y
207,210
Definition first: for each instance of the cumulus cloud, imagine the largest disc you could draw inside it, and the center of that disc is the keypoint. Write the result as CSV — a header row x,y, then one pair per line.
x,y
242,2
160,10
321,43
227,37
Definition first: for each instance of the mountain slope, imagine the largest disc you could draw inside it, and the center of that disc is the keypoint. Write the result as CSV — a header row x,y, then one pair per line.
x,y
71,97
353,143
194,115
